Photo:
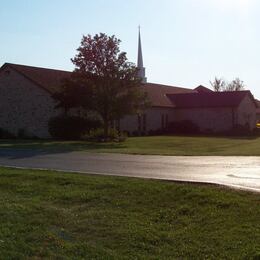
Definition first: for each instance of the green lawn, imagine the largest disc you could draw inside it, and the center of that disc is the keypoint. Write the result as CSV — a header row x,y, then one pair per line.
x,y
55,215
163,145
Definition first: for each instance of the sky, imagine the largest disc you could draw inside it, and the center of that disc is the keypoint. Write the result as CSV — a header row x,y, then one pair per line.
x,y
185,43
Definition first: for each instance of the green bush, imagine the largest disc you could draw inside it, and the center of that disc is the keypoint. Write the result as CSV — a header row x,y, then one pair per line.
x,y
240,130
71,127
182,127
113,135
21,134
98,135
122,136
5,134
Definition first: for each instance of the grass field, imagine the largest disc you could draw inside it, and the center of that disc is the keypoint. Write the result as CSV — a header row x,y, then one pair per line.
x,y
162,145
54,215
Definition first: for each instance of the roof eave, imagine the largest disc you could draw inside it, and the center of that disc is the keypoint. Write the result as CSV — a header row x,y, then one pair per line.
x,y
24,75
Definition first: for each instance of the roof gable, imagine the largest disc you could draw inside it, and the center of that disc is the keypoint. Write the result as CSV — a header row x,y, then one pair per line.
x,y
202,89
48,79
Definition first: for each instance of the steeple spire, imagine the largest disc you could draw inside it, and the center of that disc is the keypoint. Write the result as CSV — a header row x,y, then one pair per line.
x,y
140,66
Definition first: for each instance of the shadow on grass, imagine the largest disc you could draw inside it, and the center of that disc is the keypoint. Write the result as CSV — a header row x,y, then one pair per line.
x,y
163,145
250,137
238,137
17,149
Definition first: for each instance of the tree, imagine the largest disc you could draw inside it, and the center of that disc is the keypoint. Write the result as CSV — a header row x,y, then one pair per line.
x,y
221,85
218,84
74,93
235,85
103,81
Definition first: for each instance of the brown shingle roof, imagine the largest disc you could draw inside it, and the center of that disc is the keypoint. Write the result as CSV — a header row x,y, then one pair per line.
x,y
210,99
203,89
157,93
49,79
160,95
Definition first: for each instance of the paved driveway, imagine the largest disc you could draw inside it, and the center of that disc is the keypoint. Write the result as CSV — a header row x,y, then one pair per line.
x,y
238,172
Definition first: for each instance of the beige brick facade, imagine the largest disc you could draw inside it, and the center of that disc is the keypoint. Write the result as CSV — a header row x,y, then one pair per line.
x,y
25,107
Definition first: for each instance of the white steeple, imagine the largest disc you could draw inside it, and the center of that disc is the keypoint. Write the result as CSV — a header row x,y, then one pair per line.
x,y
140,66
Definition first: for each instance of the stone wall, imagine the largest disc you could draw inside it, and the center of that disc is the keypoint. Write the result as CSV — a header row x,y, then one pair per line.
x,y
24,106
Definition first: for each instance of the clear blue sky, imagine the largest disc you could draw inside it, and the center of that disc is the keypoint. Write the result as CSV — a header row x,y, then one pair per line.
x,y
185,42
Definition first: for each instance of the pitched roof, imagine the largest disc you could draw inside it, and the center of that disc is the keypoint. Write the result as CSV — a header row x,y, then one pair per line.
x,y
160,95
157,93
203,89
210,99
49,79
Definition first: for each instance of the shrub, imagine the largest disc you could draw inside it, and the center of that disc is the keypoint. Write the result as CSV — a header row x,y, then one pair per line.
x,y
240,130
21,134
5,134
113,135
122,136
138,133
135,133
98,135
256,131
157,132
71,127
183,127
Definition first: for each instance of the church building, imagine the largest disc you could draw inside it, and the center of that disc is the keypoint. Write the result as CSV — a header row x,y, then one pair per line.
x,y
26,103
212,112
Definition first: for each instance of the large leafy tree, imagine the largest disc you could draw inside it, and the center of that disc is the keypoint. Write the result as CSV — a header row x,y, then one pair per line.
x,y
103,81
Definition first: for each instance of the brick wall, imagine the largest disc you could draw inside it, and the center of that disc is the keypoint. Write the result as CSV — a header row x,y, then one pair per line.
x,y
24,105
